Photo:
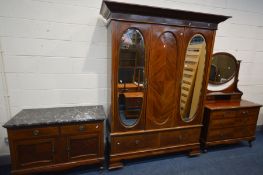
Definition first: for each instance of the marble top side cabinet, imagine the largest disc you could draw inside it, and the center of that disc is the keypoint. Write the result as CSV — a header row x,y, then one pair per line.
x,y
53,139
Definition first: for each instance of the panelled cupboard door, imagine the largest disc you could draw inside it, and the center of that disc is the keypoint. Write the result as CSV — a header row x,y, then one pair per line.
x,y
164,76
83,146
37,152
196,60
129,59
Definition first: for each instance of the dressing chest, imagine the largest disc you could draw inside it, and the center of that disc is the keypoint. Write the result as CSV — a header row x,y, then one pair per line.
x,y
227,118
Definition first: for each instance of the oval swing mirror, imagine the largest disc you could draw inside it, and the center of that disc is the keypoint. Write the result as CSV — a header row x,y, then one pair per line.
x,y
131,76
192,79
223,68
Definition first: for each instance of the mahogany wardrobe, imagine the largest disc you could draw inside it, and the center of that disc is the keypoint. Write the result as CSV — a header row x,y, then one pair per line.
x,y
160,67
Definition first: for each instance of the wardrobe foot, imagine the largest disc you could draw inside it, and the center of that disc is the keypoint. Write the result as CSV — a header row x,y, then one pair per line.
x,y
194,152
115,165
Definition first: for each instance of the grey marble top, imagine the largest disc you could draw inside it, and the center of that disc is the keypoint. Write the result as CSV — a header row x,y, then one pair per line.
x,y
60,115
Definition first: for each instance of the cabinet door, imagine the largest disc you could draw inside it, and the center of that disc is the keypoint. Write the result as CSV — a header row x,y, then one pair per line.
x,y
164,76
129,60
196,59
35,152
83,146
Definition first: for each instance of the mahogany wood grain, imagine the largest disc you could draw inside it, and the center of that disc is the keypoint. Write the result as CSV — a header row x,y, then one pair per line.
x,y
164,76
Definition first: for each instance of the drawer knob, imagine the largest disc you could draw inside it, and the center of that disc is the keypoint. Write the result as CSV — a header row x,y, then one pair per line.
x,y
35,132
137,142
81,127
180,138
97,126
118,143
244,112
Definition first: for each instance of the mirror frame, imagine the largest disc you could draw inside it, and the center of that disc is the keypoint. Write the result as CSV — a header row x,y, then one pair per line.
x,y
232,76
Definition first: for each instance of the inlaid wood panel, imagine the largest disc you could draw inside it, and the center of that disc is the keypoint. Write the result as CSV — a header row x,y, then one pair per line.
x,y
163,77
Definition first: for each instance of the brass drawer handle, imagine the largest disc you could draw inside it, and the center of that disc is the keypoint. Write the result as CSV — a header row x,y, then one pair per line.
x,y
36,132
81,128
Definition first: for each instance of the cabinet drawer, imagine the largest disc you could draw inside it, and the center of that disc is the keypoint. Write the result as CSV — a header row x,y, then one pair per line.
x,y
232,122
246,131
224,114
247,120
81,128
222,122
33,132
247,112
239,112
122,144
221,134
186,136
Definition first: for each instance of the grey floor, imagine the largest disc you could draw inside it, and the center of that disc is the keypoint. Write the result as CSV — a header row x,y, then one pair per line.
x,y
238,159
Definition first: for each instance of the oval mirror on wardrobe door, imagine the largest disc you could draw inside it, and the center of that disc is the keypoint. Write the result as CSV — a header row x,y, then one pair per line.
x,y
131,77
192,77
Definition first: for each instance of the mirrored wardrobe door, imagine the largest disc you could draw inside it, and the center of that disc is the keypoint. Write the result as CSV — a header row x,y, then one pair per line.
x,y
192,78
131,76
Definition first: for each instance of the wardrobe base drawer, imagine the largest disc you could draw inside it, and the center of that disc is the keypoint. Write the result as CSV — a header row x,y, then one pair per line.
x,y
179,137
130,143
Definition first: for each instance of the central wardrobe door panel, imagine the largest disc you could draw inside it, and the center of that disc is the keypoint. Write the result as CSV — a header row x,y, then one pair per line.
x,y
163,84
